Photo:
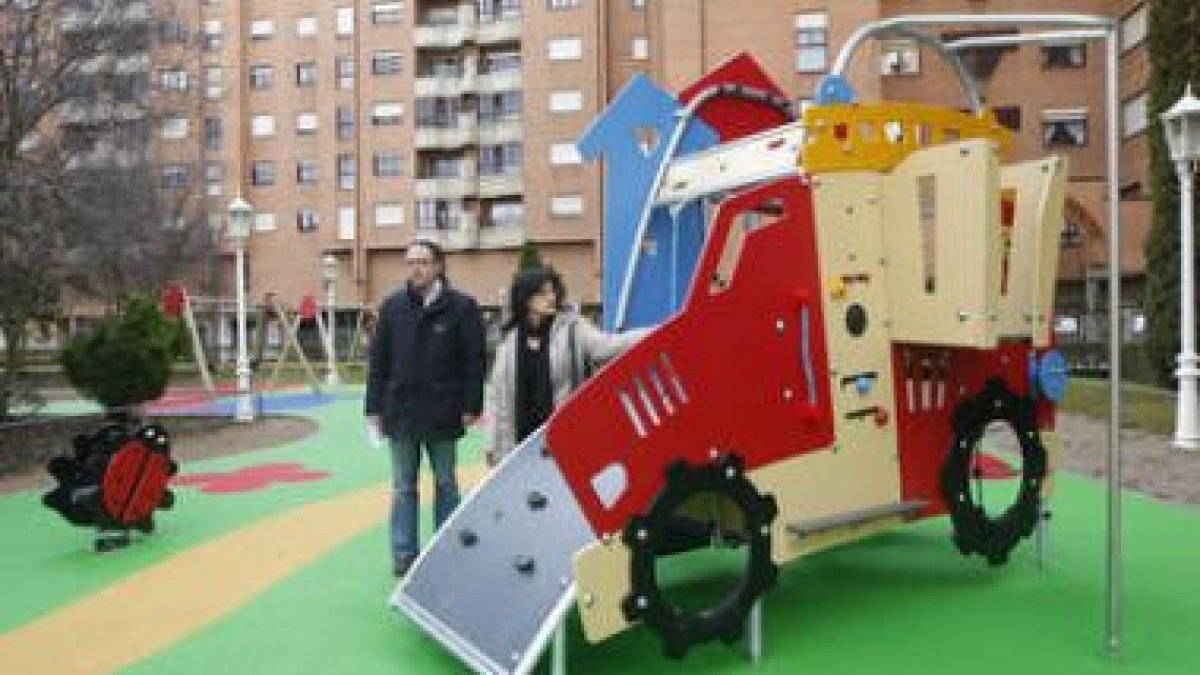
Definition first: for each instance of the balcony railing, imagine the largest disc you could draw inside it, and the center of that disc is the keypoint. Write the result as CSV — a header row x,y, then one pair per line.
x,y
497,131
444,84
456,187
500,184
504,80
427,136
448,34
499,29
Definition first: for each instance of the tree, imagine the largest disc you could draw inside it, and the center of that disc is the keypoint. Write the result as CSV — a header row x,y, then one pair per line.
x,y
81,215
1174,45
529,257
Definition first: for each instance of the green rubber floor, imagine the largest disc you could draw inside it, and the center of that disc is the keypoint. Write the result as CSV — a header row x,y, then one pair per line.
x,y
904,602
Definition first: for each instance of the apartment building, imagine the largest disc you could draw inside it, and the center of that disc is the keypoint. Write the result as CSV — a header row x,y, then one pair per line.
x,y
352,126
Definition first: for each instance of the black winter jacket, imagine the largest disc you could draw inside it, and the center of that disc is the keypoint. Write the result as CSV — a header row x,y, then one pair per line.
x,y
426,365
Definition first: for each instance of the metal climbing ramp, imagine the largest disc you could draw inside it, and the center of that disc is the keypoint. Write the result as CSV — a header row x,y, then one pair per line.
x,y
496,579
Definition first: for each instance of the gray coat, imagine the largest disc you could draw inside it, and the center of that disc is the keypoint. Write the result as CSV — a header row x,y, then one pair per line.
x,y
593,347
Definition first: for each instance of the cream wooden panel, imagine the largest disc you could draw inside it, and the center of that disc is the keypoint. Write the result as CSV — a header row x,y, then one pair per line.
x,y
1025,305
962,309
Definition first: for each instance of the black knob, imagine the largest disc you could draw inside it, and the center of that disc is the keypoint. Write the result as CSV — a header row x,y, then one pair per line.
x,y
468,538
524,564
856,319
537,500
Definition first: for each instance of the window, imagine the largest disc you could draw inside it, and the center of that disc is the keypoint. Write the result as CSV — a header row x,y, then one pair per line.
x,y
566,101
346,222
214,82
900,57
441,113
388,164
307,221
261,29
213,133
504,214
505,61
345,122
1009,117
306,172
389,215
306,124
637,4
1066,55
262,125
173,79
562,4
387,114
387,12
500,160
262,172
639,49
261,77
174,175
214,172
210,35
1133,115
564,153
1064,128
498,107
306,26
438,214
564,49
264,222
345,72
1133,28
345,21
345,171
491,10
812,41
172,31
387,63
174,127
1072,234
306,74
566,205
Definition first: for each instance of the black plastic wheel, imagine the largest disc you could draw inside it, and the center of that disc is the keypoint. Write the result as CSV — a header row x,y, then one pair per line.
x,y
657,533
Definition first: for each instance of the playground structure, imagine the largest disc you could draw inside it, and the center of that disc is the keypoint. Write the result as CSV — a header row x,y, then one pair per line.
x,y
275,335
852,308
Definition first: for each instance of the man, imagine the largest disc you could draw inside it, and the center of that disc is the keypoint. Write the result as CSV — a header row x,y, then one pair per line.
x,y
424,387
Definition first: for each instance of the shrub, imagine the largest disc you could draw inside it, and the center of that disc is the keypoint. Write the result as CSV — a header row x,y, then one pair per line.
x,y
126,359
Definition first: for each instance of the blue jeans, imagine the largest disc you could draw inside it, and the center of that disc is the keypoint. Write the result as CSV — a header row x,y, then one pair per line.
x,y
406,467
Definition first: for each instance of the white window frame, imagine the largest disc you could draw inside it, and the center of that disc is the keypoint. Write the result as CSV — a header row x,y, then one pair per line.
x,y
564,154
389,214
564,49
306,26
566,100
173,79
174,127
808,23
346,223
566,206
900,57
306,123
1133,26
387,113
214,82
264,222
639,48
1134,115
345,21
391,13
262,29
262,125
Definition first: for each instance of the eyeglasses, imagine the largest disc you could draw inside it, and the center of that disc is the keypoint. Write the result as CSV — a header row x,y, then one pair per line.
x,y
415,262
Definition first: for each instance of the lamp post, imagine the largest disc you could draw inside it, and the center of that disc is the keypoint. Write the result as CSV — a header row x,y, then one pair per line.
x,y
329,265
1181,125
239,230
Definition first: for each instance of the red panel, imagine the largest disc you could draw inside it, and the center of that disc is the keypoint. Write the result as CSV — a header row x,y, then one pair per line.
x,y
929,383
733,117
149,491
725,373
134,482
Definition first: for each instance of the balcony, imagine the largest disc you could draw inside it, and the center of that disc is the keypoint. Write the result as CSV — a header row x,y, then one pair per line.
x,y
497,131
500,185
508,235
504,80
447,33
456,187
447,84
431,136
500,29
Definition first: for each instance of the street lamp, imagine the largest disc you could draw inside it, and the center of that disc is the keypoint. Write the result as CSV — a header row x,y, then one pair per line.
x,y
1181,125
329,271
239,230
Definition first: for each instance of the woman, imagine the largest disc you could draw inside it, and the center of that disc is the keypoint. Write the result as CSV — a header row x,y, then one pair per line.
x,y
546,352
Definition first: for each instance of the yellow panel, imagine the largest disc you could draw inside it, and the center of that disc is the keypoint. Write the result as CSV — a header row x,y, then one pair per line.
x,y
1025,304
880,136
941,232
601,583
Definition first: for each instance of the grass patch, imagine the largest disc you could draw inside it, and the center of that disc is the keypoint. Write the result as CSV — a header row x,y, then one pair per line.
x,y
1142,407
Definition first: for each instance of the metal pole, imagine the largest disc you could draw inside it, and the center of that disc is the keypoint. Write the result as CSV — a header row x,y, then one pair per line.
x,y
1113,642
244,408
331,373
1187,422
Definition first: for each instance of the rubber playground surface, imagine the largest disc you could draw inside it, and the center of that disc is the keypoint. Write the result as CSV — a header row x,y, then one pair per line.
x,y
276,561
